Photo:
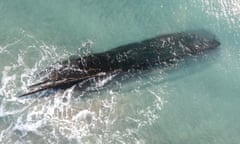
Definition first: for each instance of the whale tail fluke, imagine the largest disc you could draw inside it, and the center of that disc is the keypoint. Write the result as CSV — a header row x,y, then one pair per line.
x,y
63,83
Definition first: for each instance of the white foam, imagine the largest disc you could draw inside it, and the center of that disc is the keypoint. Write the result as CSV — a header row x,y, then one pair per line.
x,y
85,48
84,115
7,82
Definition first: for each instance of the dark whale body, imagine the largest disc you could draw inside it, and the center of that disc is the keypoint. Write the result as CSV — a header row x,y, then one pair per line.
x,y
160,50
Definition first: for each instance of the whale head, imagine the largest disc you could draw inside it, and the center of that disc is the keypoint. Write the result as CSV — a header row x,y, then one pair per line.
x,y
200,42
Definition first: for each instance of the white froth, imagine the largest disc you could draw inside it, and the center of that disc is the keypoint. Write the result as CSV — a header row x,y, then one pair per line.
x,y
84,115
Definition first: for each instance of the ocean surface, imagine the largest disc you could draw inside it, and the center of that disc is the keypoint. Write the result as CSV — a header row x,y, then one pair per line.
x,y
194,102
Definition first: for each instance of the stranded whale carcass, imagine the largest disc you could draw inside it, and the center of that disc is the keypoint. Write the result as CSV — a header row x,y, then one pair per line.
x,y
160,50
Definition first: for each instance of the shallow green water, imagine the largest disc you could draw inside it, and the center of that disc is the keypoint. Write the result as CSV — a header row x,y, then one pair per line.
x,y
196,102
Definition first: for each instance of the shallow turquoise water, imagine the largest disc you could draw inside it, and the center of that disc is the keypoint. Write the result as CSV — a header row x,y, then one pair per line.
x,y
196,102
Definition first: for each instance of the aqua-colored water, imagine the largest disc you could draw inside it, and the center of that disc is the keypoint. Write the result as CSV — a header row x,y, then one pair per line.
x,y
196,102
